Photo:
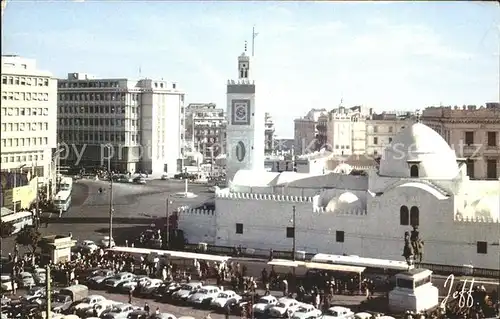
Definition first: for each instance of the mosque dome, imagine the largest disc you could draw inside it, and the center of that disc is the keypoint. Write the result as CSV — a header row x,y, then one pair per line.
x,y
419,151
343,202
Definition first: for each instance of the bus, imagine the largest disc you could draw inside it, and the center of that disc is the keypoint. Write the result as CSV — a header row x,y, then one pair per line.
x,y
19,220
62,201
66,184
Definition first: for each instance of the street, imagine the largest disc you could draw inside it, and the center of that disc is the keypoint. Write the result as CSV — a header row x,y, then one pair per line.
x,y
136,207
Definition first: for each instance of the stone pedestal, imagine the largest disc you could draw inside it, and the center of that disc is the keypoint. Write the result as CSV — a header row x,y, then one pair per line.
x,y
57,247
414,292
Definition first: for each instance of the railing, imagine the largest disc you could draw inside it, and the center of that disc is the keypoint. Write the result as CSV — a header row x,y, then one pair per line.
x,y
264,254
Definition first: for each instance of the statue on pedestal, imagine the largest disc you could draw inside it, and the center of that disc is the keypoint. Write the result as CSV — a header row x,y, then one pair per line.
x,y
417,244
408,249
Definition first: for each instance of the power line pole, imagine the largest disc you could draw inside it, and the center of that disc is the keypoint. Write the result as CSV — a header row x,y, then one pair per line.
x,y
48,312
110,199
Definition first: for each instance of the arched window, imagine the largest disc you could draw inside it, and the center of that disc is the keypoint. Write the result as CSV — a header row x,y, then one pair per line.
x,y
414,216
404,216
414,171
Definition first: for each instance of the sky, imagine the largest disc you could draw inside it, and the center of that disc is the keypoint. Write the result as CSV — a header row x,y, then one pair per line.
x,y
387,55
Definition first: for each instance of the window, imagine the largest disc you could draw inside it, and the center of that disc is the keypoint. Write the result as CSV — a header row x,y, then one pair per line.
x,y
470,168
390,129
375,140
404,216
290,232
492,139
339,236
414,171
482,247
414,216
375,129
390,139
491,169
239,228
469,138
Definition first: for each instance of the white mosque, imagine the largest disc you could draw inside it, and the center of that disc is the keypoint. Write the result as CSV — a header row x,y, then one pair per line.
x,y
419,181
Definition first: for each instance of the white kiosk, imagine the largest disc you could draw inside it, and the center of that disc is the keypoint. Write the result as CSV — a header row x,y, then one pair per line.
x,y
414,292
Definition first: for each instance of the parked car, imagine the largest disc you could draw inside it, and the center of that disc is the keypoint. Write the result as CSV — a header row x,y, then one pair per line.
x,y
88,246
119,311
114,281
163,315
40,276
133,284
223,298
99,308
99,277
7,284
139,180
307,311
284,307
204,295
338,312
33,294
148,287
88,303
26,279
264,303
167,292
185,291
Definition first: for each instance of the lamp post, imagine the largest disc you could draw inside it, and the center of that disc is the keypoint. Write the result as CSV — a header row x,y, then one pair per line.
x,y
110,175
167,227
15,185
294,232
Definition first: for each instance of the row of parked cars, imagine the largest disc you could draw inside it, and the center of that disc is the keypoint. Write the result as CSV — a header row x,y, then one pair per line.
x,y
215,298
25,279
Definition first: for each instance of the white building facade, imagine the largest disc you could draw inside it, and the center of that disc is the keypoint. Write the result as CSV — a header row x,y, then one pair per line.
x,y
138,120
245,122
29,116
420,183
473,132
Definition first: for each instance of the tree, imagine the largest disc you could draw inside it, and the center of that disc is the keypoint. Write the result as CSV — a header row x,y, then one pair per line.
x,y
30,237
6,229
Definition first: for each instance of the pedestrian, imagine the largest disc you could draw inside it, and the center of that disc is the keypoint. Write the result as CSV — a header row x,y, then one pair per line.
x,y
146,308
157,311
130,292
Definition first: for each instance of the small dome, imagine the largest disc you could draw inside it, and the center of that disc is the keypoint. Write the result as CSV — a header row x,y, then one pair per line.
x,y
343,168
343,202
432,155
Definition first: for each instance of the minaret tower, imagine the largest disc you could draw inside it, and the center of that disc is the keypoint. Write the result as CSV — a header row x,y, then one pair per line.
x,y
245,122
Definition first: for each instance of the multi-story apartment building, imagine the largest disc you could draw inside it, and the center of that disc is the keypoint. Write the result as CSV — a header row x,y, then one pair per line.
x,y
135,123
473,132
269,135
381,129
306,131
346,130
205,129
29,113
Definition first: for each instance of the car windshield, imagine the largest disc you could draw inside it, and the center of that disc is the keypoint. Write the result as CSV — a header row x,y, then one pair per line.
x,y
332,313
304,309
223,295
203,291
281,305
59,298
117,309
186,287
263,300
26,276
85,300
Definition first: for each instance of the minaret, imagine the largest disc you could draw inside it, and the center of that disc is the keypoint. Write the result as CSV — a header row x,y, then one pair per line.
x,y
245,122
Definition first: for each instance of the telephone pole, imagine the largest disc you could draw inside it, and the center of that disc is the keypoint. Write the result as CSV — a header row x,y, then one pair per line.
x,y
48,312
294,252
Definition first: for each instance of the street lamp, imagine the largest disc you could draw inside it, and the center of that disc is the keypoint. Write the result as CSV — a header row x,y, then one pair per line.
x,y
167,227
294,232
15,185
108,147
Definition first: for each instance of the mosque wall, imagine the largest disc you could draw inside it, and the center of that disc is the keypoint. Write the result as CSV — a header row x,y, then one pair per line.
x,y
199,225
